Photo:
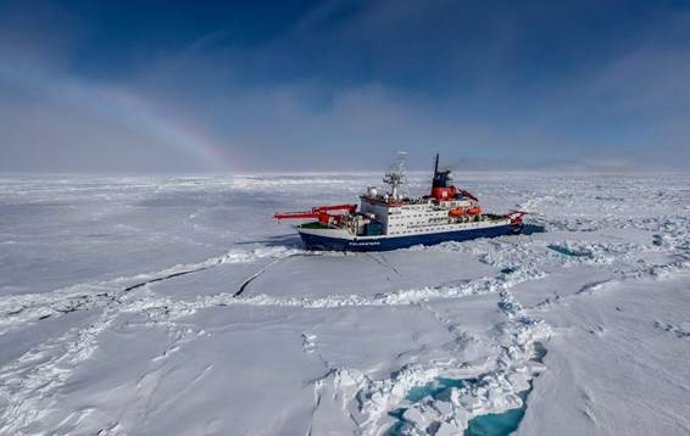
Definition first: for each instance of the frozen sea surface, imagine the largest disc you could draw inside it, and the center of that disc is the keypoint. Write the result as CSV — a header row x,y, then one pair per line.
x,y
175,305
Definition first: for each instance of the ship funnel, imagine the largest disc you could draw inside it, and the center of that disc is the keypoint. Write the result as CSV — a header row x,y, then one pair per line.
x,y
441,178
441,186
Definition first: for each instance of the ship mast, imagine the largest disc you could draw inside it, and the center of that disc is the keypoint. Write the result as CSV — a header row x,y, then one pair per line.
x,y
395,177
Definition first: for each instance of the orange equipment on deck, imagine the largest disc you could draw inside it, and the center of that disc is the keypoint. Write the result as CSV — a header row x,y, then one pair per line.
x,y
458,211
461,211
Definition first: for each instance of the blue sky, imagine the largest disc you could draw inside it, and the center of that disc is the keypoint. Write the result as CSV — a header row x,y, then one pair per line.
x,y
322,85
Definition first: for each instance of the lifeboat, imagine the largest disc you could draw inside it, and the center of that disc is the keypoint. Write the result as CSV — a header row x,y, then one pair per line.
x,y
456,212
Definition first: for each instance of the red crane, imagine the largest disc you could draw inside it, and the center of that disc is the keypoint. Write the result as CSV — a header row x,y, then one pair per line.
x,y
516,216
467,194
319,212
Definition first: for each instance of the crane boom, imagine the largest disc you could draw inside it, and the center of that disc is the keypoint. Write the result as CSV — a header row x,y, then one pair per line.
x,y
319,212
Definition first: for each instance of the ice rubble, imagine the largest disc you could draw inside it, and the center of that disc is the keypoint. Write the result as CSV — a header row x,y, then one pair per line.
x,y
493,391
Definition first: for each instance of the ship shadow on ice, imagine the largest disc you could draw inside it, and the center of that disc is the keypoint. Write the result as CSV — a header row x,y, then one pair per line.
x,y
530,229
287,241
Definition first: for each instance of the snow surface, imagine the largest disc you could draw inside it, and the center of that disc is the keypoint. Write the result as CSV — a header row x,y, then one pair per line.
x,y
175,305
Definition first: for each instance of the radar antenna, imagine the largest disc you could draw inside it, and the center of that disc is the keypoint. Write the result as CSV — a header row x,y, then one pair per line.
x,y
395,177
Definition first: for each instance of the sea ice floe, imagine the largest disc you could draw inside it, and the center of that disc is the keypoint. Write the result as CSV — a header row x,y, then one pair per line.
x,y
613,261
